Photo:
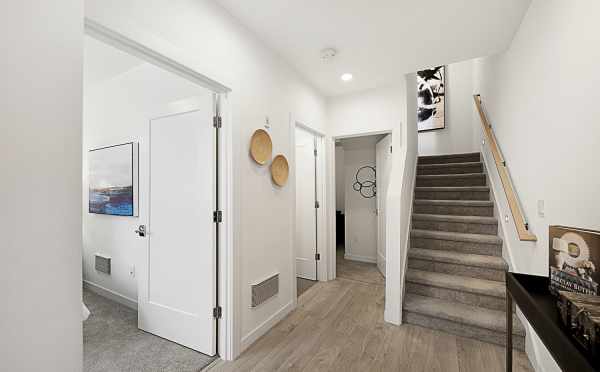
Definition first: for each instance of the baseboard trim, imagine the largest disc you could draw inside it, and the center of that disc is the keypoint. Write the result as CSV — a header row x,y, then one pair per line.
x,y
353,257
265,326
111,295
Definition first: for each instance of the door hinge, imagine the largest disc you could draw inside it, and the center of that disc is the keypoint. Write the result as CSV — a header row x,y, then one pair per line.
x,y
217,216
390,149
317,205
217,312
317,256
217,122
315,152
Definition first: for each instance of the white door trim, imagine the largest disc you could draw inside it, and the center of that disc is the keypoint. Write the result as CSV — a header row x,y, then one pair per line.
x,y
331,195
229,291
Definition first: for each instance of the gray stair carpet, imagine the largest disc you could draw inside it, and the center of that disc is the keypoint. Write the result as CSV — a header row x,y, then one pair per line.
x,y
455,274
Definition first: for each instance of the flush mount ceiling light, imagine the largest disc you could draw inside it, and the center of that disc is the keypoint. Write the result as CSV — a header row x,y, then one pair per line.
x,y
346,77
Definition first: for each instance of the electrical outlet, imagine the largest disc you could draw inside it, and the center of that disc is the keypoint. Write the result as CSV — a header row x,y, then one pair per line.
x,y
132,271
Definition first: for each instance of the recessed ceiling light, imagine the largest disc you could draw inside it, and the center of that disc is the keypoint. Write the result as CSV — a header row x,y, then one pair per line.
x,y
346,77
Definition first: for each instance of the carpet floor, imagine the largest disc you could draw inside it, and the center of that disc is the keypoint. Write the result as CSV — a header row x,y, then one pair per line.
x,y
112,342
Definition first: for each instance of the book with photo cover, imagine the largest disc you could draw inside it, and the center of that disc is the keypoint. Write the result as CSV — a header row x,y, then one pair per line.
x,y
574,259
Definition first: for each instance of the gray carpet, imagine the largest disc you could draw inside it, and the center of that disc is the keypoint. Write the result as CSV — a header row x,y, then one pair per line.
x,y
303,285
113,343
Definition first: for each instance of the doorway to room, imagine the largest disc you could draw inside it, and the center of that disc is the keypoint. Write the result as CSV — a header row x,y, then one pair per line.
x,y
362,172
152,216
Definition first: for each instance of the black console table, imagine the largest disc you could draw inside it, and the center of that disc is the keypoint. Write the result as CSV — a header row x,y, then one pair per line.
x,y
532,296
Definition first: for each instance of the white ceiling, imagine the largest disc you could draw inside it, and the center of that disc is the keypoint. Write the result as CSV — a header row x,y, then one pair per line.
x,y
378,40
102,62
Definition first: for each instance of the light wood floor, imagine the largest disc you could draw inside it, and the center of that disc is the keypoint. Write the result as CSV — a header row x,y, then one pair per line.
x,y
338,326
359,271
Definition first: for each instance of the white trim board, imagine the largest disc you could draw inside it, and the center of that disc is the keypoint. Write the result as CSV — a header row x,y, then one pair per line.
x,y
110,294
266,326
122,42
353,257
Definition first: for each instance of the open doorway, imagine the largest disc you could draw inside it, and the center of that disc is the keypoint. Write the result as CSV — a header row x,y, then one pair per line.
x,y
362,171
151,227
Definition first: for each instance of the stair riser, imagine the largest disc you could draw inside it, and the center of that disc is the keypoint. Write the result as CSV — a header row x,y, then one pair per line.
x,y
451,181
453,195
460,227
463,247
459,169
455,269
488,302
454,210
463,330
462,158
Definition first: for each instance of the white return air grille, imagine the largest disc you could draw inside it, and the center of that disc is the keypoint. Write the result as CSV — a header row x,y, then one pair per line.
x,y
264,290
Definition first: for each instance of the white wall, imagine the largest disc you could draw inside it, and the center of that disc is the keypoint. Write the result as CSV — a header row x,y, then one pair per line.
x,y
116,111
201,35
457,136
40,161
401,192
340,190
360,216
541,99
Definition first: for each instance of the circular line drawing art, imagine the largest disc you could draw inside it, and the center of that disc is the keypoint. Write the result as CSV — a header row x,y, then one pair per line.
x,y
366,183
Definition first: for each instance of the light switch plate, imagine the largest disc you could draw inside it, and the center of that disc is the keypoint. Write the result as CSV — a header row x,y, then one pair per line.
x,y
541,208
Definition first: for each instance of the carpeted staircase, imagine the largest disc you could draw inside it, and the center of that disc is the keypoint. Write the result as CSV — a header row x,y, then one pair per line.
x,y
455,276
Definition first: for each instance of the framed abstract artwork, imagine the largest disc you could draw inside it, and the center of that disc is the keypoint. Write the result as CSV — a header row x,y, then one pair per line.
x,y
113,180
431,89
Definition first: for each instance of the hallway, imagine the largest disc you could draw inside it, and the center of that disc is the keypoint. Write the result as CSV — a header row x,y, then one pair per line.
x,y
338,326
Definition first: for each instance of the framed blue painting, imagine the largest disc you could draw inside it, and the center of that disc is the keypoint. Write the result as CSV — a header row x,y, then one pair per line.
x,y
113,180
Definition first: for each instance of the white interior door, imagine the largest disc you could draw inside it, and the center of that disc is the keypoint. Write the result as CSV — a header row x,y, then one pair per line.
x,y
306,213
177,270
383,164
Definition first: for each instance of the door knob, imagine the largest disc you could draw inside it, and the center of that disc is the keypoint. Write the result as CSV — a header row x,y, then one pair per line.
x,y
141,230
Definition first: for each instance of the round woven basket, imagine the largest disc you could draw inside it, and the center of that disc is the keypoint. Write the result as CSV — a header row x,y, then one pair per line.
x,y
280,170
261,146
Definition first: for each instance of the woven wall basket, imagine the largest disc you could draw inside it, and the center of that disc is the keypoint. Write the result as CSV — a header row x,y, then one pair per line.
x,y
280,170
261,146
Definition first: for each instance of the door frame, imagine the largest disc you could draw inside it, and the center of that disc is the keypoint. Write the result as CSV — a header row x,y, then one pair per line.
x,y
228,292
322,225
331,208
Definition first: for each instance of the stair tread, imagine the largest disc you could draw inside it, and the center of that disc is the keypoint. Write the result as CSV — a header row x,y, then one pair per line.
x,y
449,165
464,314
459,258
466,203
445,156
459,175
455,236
453,218
456,282
452,188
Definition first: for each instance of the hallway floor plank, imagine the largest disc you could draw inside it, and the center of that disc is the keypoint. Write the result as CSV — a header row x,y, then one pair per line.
x,y
338,326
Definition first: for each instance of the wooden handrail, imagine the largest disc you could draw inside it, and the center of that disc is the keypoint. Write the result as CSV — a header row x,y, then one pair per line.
x,y
515,208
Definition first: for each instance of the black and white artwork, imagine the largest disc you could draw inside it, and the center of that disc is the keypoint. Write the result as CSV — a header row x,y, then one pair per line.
x,y
431,87
365,182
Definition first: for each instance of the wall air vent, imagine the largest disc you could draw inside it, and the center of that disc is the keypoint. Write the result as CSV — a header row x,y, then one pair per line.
x,y
102,263
264,290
